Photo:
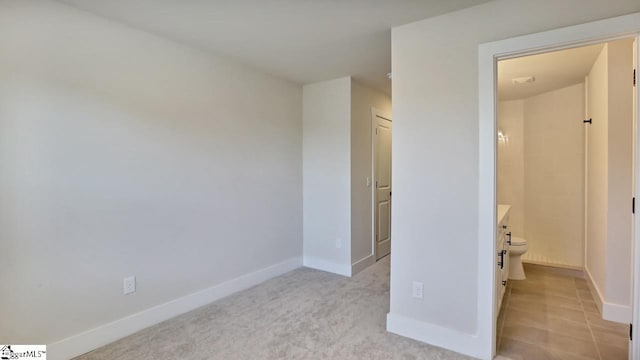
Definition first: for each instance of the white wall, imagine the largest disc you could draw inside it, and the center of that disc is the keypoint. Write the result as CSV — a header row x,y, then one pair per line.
x,y
541,173
327,175
510,166
337,162
362,100
619,226
597,172
122,153
435,108
554,176
610,188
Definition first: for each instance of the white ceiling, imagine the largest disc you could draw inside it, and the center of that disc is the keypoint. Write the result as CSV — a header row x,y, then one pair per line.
x,y
553,70
300,40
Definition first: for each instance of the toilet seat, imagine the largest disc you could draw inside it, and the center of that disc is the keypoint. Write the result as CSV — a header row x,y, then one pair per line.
x,y
517,248
517,241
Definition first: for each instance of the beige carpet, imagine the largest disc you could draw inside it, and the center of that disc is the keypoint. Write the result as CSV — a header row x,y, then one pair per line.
x,y
304,314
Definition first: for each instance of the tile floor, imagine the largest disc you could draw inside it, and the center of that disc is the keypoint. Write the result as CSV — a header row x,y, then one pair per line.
x,y
552,315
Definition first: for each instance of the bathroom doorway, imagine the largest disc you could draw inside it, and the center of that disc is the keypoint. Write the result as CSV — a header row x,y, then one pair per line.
x,y
564,188
489,54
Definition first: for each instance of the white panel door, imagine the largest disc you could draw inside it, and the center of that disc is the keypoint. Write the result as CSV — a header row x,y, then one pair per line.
x,y
382,173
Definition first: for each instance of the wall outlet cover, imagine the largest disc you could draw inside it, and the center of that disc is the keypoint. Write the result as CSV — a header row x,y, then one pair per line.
x,y
129,284
418,290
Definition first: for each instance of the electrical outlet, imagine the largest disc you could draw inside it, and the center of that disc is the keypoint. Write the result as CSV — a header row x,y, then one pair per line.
x,y
338,243
418,290
129,285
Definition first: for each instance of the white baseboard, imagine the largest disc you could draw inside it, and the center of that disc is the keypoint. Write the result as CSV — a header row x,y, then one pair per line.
x,y
463,343
92,339
610,311
328,266
578,269
362,264
595,291
617,313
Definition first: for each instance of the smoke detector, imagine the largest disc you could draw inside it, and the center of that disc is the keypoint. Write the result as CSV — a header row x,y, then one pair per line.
x,y
523,80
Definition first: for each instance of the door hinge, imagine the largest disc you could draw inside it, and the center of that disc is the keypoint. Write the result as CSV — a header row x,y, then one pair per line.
x,y
589,121
631,332
633,205
634,77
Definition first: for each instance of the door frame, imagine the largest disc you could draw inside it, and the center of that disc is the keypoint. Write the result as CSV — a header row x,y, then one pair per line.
x,y
488,55
375,113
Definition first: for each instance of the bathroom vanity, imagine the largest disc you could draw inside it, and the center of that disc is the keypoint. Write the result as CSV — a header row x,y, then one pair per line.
x,y
503,240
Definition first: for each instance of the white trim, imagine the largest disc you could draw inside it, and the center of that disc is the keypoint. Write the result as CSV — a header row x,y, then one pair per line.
x,y
374,113
576,271
579,270
362,264
595,291
617,313
609,311
634,348
579,35
487,220
463,343
92,339
328,266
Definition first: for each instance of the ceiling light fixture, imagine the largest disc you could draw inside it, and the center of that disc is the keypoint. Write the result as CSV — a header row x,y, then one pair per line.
x,y
523,80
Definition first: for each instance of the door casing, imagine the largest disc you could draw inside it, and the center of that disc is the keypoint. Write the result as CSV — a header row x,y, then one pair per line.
x,y
488,55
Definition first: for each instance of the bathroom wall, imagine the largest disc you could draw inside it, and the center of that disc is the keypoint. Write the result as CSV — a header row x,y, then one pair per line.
x,y
511,163
609,180
554,176
596,231
541,173
620,184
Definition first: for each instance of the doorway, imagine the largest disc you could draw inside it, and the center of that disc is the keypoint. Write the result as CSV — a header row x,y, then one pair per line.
x,y
489,55
564,121
382,182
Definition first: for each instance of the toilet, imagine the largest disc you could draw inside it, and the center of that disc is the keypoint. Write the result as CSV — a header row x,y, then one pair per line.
x,y
517,248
